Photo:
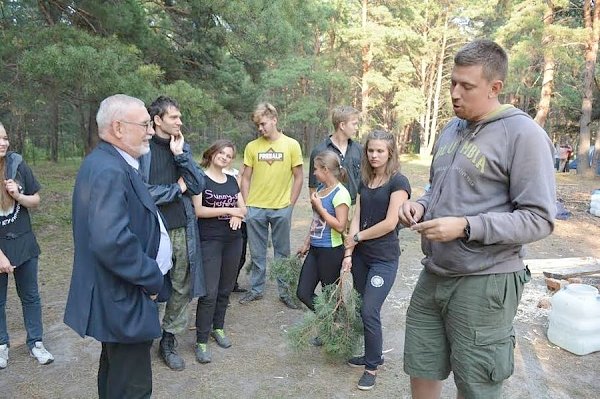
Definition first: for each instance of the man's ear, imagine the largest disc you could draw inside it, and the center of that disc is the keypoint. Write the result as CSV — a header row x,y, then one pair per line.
x,y
116,129
157,120
496,88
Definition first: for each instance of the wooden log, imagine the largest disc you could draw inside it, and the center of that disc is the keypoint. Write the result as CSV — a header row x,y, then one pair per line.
x,y
564,266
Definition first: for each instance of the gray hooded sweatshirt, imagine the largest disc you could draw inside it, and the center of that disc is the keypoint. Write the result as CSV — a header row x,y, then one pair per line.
x,y
499,173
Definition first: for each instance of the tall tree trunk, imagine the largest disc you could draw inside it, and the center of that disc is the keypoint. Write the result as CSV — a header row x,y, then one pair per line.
x,y
92,128
367,59
591,18
404,138
17,135
549,64
54,129
438,87
430,79
596,157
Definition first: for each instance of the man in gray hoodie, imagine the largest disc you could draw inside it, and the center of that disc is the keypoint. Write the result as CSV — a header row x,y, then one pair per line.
x,y
492,191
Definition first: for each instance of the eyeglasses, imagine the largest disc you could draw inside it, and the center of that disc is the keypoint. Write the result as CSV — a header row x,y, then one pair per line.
x,y
147,125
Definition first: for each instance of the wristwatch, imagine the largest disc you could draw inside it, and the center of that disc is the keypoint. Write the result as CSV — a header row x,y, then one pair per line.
x,y
355,238
467,230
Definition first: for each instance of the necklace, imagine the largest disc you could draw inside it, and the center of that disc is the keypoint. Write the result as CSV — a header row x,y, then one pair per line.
x,y
327,189
377,182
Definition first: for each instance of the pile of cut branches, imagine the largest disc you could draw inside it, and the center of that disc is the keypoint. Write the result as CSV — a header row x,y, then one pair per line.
x,y
336,321
288,271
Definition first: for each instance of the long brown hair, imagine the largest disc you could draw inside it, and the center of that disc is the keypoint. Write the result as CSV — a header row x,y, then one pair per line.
x,y
391,167
215,148
6,201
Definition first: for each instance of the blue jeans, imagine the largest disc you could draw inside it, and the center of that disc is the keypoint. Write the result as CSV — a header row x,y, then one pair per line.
x,y
258,221
26,280
373,279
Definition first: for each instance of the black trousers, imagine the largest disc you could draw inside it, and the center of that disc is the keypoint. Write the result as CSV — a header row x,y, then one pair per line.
x,y
125,371
321,265
220,261
243,255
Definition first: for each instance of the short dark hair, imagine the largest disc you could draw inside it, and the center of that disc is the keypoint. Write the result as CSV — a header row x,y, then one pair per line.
x,y
486,53
160,106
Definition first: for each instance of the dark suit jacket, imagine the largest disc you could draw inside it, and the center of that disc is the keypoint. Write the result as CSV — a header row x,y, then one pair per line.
x,y
116,235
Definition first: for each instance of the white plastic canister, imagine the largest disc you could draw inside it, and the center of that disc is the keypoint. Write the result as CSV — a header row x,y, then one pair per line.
x,y
595,203
575,319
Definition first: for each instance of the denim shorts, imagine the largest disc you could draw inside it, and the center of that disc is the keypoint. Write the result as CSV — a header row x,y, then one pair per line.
x,y
464,325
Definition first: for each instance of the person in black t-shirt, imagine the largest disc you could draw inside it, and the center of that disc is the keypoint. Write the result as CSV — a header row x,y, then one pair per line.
x,y
19,249
220,209
372,247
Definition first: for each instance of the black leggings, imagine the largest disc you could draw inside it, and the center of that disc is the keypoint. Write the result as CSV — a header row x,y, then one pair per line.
x,y
220,261
321,265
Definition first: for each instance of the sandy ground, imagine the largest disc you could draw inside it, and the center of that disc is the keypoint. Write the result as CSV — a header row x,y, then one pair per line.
x,y
261,365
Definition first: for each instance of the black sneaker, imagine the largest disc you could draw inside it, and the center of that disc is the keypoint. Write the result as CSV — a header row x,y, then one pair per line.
x,y
237,288
366,382
289,302
166,349
359,361
249,297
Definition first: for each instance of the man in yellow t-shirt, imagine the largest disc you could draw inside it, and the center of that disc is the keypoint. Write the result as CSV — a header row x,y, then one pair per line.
x,y
271,184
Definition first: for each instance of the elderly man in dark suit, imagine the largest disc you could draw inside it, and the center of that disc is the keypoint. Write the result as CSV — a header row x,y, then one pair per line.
x,y
122,251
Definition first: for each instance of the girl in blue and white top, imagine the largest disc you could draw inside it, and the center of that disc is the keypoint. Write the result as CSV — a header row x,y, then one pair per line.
x,y
324,244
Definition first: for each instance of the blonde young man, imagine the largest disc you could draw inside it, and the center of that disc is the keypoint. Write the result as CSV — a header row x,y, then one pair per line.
x,y
270,184
345,121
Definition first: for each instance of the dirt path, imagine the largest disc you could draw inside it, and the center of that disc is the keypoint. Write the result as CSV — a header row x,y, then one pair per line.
x,y
261,365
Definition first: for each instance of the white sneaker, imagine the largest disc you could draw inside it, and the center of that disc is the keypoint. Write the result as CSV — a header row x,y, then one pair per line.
x,y
41,354
3,356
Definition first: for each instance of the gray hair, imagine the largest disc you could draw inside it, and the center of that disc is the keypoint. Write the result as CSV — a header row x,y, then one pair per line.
x,y
114,108
486,53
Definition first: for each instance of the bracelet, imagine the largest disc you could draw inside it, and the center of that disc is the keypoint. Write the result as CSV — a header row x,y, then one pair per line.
x,y
347,256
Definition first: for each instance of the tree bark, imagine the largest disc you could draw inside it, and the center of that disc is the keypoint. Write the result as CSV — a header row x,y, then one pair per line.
x,y
438,88
54,130
591,18
92,128
367,59
430,79
549,64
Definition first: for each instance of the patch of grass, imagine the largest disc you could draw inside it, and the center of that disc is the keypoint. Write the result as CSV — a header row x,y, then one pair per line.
x,y
54,212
